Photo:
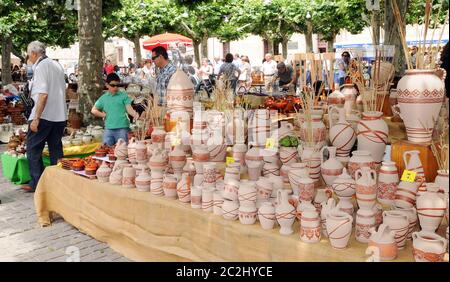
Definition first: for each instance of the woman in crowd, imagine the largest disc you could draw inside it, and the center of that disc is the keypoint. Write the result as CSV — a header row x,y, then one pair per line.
x,y
229,72
246,70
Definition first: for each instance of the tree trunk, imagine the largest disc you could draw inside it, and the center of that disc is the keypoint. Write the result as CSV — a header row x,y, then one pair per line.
x,y
197,52
276,47
90,83
137,46
226,49
6,60
376,27
284,47
392,36
330,44
308,38
204,46
270,45
266,46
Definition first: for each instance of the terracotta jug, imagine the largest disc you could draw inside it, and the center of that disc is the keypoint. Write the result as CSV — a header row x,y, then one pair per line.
x,y
366,187
399,223
431,208
420,94
339,229
342,135
331,168
121,151
387,183
428,247
383,240
231,189
285,213
372,134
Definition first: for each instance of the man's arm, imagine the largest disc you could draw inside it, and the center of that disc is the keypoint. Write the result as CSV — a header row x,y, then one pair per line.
x,y
132,112
42,101
96,112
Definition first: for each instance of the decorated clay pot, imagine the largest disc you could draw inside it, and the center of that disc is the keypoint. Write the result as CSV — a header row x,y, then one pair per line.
x,y
306,190
270,156
142,181
247,214
170,186
230,209
310,228
288,155
365,220
285,213
189,167
420,94
141,152
264,189
184,188
383,243
387,183
128,177
339,228
372,134
200,155
359,160
156,183
295,173
196,197
159,160
180,93
103,172
442,180
158,137
327,207
209,174
399,223
259,124
350,93
431,208
342,135
344,185
217,152
132,151
266,215
247,193
411,213
405,196
177,159
345,204
336,98
231,189
239,151
218,202
121,151
428,247
311,157
331,168
270,169
366,188
233,171
208,199
319,131
322,195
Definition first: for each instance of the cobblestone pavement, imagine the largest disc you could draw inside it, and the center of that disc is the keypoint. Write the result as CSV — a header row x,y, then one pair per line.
x,y
22,239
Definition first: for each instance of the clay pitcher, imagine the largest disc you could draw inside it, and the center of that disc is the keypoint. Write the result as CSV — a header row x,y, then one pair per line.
x,y
384,243
339,229
366,188
285,213
342,135
428,247
372,134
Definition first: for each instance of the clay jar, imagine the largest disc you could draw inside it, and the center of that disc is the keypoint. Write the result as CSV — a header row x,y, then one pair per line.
x,y
170,186
339,229
264,189
295,173
399,223
142,181
209,174
177,159
200,156
158,137
247,214
247,193
310,230
405,196
103,172
288,155
254,161
336,98
365,220
383,242
230,209
141,152
431,207
189,167
115,178
366,188
311,157
159,160
428,247
285,213
128,177
218,202
411,213
270,169
196,197
372,134
207,199
387,183
349,91
319,130
121,151
266,215
306,190
331,168
359,160
132,151
342,135
344,185
184,188
231,189
239,151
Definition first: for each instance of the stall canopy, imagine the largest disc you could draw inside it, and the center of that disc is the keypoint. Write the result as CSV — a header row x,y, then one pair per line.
x,y
165,40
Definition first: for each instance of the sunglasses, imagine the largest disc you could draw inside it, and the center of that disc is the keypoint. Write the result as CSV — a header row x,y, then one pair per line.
x,y
113,84
155,57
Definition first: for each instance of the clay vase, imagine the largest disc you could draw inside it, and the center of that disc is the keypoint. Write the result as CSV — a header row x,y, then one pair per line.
x,y
177,159
266,215
295,173
218,202
200,155
428,247
387,183
327,207
115,178
311,157
233,171
128,177
310,228
411,213
270,156
259,126
208,199
399,223
359,160
217,149
344,185
366,188
339,229
319,131
180,93
365,220
288,155
158,137
264,189
342,135
431,207
345,204
350,93
170,186
405,196
285,213
189,167
383,241
141,152
231,189
196,197
209,174
372,134
254,170
306,190
322,195
230,209
132,151
121,151
420,94
239,151
442,180
270,169
143,181
156,183
331,168
247,193
247,214
184,189
254,161
159,160
336,98
103,172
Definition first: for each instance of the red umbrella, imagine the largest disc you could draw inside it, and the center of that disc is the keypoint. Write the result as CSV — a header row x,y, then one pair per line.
x,y
165,40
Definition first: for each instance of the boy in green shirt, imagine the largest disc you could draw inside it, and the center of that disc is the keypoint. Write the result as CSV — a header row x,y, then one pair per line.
x,y
114,106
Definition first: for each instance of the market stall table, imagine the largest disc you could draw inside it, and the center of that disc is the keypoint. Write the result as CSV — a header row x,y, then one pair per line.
x,y
145,227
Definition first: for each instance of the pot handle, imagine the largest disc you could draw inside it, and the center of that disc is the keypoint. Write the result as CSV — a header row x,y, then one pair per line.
x,y
415,235
373,174
331,109
396,110
358,173
444,73
405,159
321,153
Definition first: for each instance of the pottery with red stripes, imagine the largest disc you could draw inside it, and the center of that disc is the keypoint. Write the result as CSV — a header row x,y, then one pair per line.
x,y
339,229
365,220
366,187
428,247
342,135
285,213
383,240
350,93
310,227
266,215
311,156
412,217
388,180
359,160
399,223
330,168
184,188
180,93
372,134
431,207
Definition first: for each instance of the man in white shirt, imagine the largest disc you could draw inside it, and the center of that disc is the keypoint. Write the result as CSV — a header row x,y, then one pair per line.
x,y
49,115
217,64
237,61
269,68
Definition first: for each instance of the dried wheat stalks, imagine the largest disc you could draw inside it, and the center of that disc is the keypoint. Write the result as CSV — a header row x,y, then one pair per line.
x,y
399,21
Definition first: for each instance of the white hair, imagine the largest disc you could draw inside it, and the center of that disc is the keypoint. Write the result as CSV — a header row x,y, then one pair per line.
x,y
37,47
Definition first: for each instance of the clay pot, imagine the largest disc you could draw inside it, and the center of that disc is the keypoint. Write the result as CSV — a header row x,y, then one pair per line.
x,y
383,242
266,215
233,171
359,160
405,196
428,247
306,189
103,172
411,213
132,151
295,173
121,151
264,189
322,195
239,151
180,93
342,135
159,160
230,209
311,157
189,167
218,202
349,91
259,124
431,208
319,130
365,220
372,134
420,94
177,159
200,156
285,213
156,183
196,197
247,193
366,187
327,207
184,188
336,98
231,189
170,186
158,137
270,169
310,230
442,180
345,204
209,174
387,183
339,228
331,168
143,181
288,155
399,223
344,185
247,214
129,176
208,199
